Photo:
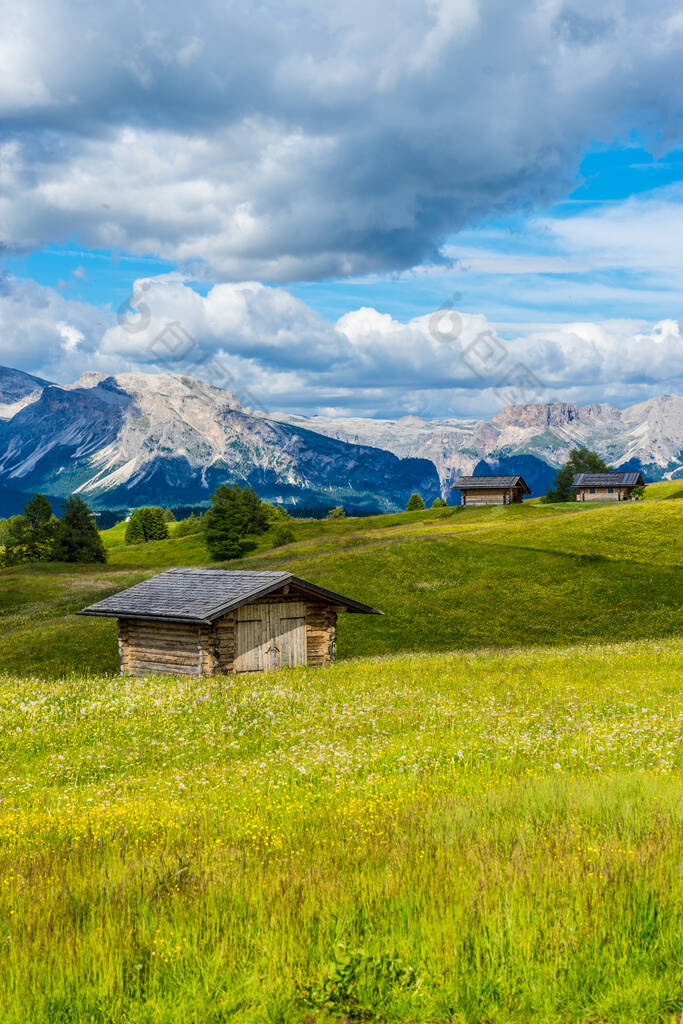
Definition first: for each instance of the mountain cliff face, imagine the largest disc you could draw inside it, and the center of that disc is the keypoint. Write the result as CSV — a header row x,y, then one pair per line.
x,y
531,439
17,390
137,438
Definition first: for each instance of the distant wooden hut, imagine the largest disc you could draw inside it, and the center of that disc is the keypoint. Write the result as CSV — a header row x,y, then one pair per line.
x,y
210,621
606,486
492,490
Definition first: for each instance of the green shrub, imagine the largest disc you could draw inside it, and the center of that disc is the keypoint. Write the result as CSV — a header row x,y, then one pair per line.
x,y
186,527
415,503
360,984
282,534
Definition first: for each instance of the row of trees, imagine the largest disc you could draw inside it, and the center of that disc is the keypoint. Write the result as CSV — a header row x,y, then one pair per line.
x,y
416,503
39,536
236,514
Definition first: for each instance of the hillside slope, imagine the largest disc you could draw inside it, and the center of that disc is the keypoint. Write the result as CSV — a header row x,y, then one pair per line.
x,y
447,579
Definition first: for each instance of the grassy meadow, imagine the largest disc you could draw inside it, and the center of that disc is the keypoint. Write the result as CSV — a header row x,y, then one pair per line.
x,y
476,816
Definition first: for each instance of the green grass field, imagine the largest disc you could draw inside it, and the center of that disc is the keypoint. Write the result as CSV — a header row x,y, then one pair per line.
x,y
475,817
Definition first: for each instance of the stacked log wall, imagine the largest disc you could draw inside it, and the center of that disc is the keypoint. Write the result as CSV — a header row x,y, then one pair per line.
x,y
147,646
321,634
225,633
479,497
601,494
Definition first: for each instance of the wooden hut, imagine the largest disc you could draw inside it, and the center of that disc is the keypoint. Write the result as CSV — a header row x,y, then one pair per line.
x,y
491,490
606,486
208,621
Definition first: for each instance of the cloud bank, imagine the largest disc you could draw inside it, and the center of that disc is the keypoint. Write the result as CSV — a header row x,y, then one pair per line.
x,y
293,140
277,354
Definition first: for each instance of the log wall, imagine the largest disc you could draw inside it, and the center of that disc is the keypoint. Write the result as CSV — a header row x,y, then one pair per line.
x,y
503,496
150,646
602,494
321,634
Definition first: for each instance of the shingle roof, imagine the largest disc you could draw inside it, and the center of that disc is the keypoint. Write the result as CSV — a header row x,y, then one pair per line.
x,y
607,480
202,595
480,483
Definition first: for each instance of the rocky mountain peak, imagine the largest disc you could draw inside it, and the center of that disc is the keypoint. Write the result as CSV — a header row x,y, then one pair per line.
x,y
550,414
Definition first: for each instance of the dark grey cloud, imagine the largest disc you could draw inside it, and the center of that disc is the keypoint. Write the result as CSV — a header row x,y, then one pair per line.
x,y
297,139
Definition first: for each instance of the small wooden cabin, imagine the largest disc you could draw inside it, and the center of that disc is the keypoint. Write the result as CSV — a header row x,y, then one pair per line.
x,y
491,490
209,622
606,486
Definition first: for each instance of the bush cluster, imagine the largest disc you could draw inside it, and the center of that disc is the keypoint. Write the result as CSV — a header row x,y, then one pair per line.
x,y
147,524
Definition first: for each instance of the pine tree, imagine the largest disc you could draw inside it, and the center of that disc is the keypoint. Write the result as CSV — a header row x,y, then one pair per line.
x,y
581,460
154,524
30,537
77,538
146,524
257,521
135,531
225,524
415,503
439,503
168,516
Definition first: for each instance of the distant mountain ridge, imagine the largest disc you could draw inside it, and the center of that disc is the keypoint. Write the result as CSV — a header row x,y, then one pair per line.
x,y
18,389
532,439
133,439
136,438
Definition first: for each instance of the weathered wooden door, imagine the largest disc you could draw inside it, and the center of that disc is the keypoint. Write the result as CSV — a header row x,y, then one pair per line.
x,y
270,636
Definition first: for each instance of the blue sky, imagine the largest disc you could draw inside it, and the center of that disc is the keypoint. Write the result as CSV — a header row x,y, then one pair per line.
x,y
314,182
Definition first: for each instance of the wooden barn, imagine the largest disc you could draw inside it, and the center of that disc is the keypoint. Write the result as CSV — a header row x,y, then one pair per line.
x,y
606,486
491,490
208,621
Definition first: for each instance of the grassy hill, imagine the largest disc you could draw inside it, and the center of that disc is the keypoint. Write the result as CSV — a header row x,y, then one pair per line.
x,y
483,825
523,575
